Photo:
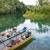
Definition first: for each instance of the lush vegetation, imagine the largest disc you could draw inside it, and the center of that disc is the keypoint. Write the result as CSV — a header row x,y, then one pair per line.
x,y
40,12
12,6
14,10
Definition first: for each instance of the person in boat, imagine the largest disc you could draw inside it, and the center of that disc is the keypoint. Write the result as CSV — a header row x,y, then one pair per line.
x,y
23,37
12,42
14,31
4,36
18,41
23,30
8,35
29,34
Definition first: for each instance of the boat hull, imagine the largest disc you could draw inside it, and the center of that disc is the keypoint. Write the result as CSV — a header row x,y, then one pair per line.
x,y
21,43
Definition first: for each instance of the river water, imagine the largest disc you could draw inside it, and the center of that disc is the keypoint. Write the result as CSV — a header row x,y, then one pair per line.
x,y
42,36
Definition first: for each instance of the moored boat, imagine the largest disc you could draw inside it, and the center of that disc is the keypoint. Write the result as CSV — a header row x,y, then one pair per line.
x,y
5,38
6,35
7,45
18,43
21,43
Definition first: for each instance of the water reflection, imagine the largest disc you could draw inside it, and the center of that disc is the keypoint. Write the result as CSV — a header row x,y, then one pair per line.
x,y
43,29
36,26
42,36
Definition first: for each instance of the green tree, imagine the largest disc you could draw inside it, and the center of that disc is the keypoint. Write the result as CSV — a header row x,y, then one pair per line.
x,y
12,6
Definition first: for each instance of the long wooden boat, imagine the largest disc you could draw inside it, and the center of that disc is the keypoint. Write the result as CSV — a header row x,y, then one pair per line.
x,y
18,45
21,43
4,43
12,33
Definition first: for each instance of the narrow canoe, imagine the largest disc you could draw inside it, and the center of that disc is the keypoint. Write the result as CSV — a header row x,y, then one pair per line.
x,y
21,43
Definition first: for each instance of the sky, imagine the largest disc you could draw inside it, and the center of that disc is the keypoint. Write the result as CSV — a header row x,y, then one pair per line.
x,y
29,2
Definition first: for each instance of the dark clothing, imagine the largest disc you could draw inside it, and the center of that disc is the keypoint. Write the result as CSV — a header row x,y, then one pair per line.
x,y
8,36
27,36
12,42
29,33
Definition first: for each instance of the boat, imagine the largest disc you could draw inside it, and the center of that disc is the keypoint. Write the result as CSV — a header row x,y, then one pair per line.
x,y
21,43
4,39
3,44
5,36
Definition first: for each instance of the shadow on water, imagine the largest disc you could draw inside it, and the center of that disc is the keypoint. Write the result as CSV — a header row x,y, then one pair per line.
x,y
25,44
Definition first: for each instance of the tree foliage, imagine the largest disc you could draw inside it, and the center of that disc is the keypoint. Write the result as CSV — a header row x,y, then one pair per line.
x,y
39,12
12,6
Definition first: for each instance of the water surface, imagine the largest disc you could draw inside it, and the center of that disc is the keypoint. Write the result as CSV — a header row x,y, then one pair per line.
x,y
42,32
42,36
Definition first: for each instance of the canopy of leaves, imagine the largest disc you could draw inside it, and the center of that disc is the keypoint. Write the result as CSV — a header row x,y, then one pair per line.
x,y
12,6
40,12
